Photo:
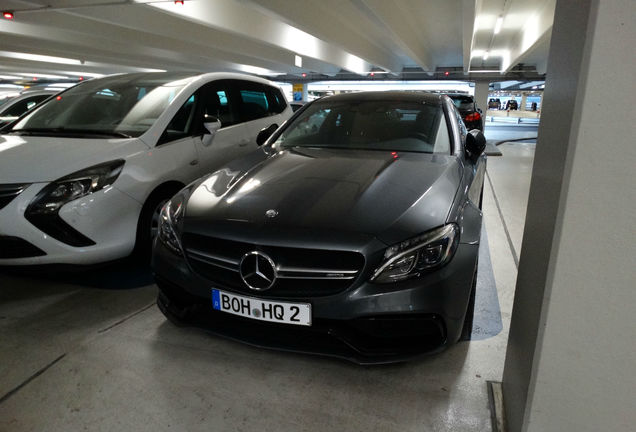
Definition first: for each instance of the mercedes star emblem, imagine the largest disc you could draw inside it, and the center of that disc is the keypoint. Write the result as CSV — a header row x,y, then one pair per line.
x,y
271,213
258,271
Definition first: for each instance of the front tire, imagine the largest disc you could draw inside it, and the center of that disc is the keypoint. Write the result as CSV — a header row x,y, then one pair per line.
x,y
148,223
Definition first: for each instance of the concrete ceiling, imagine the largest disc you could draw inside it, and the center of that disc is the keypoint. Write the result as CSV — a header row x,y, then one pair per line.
x,y
326,38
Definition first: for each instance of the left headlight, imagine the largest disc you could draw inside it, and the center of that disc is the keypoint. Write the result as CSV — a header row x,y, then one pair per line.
x,y
412,257
75,186
43,211
169,219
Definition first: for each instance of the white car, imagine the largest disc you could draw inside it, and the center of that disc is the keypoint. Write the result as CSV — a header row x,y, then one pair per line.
x,y
84,175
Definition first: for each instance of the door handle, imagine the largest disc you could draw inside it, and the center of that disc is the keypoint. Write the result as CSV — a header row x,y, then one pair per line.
x,y
194,162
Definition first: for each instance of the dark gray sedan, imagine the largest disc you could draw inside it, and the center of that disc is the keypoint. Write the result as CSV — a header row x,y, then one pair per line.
x,y
352,232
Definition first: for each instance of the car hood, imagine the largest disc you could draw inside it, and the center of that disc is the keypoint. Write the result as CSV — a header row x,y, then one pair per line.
x,y
327,192
32,159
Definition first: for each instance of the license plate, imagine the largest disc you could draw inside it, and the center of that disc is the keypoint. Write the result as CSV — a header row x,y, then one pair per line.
x,y
263,310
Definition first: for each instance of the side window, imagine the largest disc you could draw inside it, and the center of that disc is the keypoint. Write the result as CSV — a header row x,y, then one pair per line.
x,y
253,103
181,124
218,102
277,102
23,106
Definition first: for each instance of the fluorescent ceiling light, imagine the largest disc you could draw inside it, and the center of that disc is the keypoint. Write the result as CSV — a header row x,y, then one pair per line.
x,y
484,71
39,58
84,74
257,70
298,61
39,75
151,70
9,77
486,54
498,24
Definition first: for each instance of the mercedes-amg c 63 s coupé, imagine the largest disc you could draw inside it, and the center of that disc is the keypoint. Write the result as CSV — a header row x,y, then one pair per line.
x,y
353,232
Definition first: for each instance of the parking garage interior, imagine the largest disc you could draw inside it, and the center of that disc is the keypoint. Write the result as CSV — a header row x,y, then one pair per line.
x,y
551,343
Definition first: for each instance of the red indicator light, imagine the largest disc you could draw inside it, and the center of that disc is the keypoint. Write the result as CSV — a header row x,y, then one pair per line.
x,y
58,97
7,15
304,75
179,2
394,154
81,78
372,74
35,78
446,73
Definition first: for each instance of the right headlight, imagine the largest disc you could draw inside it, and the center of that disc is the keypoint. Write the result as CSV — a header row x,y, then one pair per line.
x,y
412,257
169,219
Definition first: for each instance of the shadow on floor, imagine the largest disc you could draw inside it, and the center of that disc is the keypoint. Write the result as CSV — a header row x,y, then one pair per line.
x,y
120,275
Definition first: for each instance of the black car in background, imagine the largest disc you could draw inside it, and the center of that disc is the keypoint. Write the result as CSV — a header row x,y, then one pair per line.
x,y
467,107
357,238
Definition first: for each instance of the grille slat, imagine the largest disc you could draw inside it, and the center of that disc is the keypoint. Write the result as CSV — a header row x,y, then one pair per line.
x,y
9,191
300,272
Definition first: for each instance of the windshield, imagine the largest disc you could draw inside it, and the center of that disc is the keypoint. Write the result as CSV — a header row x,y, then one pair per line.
x,y
117,106
408,126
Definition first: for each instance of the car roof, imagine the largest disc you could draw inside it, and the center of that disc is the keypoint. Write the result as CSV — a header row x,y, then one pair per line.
x,y
414,96
188,76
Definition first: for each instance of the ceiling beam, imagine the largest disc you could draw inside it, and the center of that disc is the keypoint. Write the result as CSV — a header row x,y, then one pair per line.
x,y
395,18
239,19
337,22
535,32
470,10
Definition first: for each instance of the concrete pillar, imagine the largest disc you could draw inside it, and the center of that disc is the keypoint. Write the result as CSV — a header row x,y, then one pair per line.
x,y
481,95
305,93
524,100
572,342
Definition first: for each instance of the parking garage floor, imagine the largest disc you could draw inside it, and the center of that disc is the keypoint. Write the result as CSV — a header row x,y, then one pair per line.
x,y
93,352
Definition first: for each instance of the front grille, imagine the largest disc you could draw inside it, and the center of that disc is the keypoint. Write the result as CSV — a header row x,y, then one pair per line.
x,y
9,191
300,272
15,247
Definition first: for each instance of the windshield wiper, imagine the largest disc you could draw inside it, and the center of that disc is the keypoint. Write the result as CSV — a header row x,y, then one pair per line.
x,y
63,130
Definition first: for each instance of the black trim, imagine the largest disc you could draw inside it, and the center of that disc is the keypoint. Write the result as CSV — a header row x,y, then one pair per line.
x,y
57,228
16,247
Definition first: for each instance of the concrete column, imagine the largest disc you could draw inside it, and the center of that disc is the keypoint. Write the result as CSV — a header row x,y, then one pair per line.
x,y
305,93
524,100
481,95
572,343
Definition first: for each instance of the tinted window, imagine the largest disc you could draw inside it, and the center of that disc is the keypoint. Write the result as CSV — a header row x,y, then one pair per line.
x,y
23,106
372,125
219,102
463,102
253,104
277,102
181,124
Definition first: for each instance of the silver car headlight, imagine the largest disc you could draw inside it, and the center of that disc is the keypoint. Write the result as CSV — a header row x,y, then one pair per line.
x,y
415,256
169,219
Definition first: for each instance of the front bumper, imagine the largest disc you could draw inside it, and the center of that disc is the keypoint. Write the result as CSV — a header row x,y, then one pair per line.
x,y
367,323
108,217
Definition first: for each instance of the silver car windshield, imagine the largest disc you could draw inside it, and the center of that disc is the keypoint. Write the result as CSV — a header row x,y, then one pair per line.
x,y
117,106
370,125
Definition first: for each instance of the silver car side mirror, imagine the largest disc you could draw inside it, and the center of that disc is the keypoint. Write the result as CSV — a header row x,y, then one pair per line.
x,y
212,125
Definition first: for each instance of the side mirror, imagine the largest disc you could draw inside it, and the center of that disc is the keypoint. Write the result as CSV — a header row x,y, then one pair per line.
x,y
264,134
475,143
211,123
